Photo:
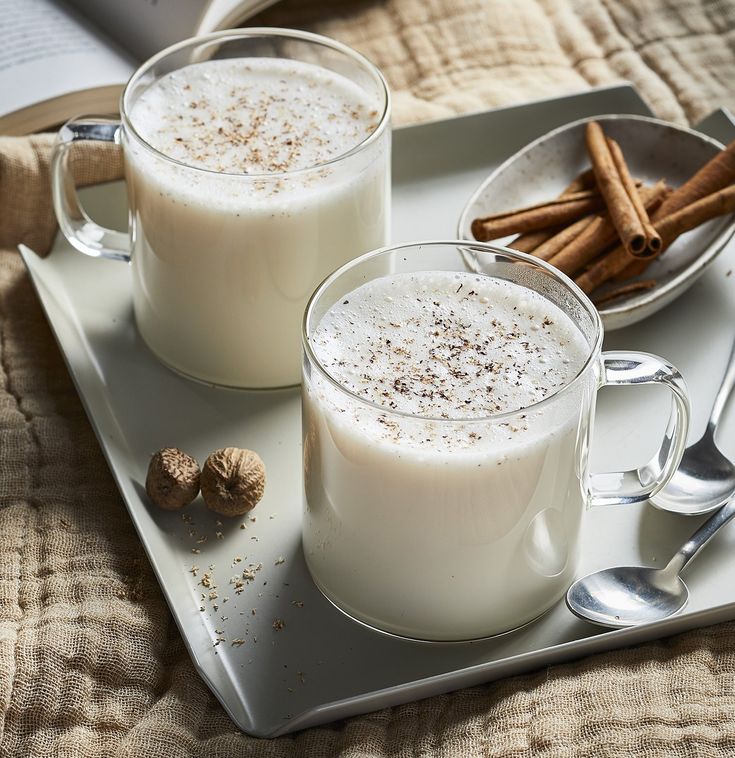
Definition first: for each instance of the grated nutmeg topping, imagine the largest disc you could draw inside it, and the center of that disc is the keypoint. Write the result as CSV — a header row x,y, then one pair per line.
x,y
254,115
445,345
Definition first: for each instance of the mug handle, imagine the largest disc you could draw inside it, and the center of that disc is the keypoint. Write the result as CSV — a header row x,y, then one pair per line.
x,y
631,368
83,234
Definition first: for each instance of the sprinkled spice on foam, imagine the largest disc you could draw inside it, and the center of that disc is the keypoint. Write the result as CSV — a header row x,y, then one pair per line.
x,y
453,352
255,115
445,345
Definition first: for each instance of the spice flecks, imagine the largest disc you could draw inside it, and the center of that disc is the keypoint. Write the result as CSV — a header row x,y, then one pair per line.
x,y
448,345
254,115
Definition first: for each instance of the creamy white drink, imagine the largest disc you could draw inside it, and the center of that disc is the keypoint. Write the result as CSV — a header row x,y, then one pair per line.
x,y
443,497
265,195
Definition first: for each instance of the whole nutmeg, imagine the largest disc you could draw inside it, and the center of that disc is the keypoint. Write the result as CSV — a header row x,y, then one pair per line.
x,y
173,478
233,481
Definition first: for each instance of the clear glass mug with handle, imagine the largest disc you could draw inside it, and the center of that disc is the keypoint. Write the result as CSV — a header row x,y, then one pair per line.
x,y
462,528
224,261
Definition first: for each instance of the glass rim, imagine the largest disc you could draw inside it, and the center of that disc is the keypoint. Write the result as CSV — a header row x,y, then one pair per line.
x,y
483,247
253,32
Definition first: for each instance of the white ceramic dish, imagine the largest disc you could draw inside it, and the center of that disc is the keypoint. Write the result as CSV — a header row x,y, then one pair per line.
x,y
321,666
654,150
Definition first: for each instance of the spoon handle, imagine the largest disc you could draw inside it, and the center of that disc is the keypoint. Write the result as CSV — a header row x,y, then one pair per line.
x,y
723,393
701,537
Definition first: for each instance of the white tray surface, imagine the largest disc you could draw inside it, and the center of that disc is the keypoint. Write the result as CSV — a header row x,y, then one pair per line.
x,y
322,666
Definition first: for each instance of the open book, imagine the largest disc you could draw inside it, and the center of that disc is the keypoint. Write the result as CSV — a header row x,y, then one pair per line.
x,y
64,58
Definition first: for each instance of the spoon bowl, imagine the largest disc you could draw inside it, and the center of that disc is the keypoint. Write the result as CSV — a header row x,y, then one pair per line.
x,y
627,596
705,479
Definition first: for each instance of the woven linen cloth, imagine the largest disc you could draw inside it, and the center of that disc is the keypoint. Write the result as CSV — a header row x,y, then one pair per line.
x,y
91,663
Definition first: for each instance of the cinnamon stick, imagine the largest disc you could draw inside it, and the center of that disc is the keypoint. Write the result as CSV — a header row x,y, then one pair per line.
x,y
548,249
587,245
653,239
619,204
670,227
717,173
527,243
634,268
585,180
691,216
561,210
623,291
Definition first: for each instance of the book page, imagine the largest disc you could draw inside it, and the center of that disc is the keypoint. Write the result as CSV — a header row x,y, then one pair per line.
x,y
224,14
49,51
144,27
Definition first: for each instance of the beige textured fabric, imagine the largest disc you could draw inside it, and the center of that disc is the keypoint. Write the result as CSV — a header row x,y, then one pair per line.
x,y
90,661
443,57
25,185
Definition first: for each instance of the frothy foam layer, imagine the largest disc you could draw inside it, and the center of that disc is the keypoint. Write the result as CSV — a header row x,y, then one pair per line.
x,y
449,345
254,115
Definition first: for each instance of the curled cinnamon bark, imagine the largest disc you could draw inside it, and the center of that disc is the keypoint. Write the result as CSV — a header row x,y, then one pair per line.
x,y
713,176
551,247
527,243
530,241
585,180
598,235
624,291
653,238
619,203
562,210
717,173
670,227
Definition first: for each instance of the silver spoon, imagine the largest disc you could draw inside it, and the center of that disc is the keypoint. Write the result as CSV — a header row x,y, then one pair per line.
x,y
630,595
705,479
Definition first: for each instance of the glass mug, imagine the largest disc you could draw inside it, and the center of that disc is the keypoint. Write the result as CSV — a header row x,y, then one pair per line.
x,y
435,541
223,263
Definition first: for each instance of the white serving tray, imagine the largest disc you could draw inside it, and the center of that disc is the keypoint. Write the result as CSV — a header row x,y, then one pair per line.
x,y
322,666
